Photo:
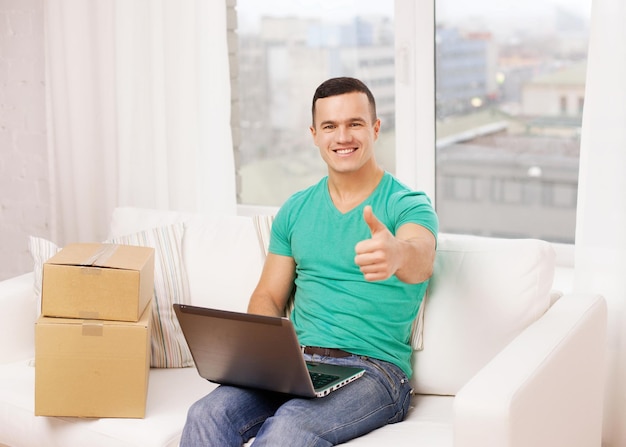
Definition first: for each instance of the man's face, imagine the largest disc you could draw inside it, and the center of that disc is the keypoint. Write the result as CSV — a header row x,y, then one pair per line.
x,y
344,131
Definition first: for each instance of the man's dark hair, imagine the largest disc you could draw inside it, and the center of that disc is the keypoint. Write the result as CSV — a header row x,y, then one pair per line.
x,y
340,86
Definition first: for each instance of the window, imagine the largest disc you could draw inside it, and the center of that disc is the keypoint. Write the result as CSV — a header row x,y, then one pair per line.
x,y
581,104
481,102
509,96
563,105
461,188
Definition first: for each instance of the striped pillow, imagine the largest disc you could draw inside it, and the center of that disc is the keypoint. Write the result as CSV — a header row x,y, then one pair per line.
x,y
168,345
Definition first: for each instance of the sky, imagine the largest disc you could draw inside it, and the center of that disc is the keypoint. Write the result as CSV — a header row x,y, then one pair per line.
x,y
446,9
312,8
508,8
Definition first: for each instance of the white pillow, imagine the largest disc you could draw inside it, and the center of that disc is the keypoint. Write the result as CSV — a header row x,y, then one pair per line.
x,y
483,293
224,261
41,250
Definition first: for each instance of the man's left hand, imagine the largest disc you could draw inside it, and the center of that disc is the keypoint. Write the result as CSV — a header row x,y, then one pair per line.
x,y
378,256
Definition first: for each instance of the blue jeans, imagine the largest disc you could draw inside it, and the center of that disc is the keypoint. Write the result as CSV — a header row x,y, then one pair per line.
x,y
230,416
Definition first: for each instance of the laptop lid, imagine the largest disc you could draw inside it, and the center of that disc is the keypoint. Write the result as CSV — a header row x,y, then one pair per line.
x,y
255,351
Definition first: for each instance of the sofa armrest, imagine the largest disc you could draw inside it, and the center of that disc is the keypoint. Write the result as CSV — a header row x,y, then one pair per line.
x,y
545,388
17,318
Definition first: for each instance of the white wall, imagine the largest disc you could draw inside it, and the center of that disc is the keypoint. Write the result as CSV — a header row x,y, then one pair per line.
x,y
24,186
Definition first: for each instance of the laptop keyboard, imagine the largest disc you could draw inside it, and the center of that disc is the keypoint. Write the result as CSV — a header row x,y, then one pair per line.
x,y
320,380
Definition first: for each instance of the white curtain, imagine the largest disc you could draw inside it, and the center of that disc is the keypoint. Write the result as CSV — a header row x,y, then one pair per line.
x,y
138,95
600,249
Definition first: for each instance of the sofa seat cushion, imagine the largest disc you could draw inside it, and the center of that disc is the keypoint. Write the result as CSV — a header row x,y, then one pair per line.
x,y
428,423
171,392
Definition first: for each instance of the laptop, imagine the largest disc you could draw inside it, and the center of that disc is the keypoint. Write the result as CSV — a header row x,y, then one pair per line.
x,y
256,351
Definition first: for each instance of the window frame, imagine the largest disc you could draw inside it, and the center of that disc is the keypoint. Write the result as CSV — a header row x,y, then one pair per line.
x,y
415,94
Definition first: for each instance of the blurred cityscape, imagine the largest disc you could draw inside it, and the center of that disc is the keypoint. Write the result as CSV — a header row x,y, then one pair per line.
x,y
509,105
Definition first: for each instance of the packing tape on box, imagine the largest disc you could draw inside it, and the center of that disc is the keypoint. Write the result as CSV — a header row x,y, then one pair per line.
x,y
101,256
93,329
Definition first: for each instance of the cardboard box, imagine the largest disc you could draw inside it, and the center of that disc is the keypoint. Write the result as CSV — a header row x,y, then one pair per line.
x,y
98,281
92,368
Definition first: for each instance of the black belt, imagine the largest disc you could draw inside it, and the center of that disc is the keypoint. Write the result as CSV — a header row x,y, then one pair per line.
x,y
325,352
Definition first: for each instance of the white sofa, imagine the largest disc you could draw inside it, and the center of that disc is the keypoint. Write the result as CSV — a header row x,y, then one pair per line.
x,y
505,362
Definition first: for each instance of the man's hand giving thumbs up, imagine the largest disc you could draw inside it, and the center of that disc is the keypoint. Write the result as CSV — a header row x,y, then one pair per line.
x,y
384,255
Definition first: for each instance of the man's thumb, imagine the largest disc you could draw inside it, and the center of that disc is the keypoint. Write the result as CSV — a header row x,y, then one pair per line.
x,y
372,221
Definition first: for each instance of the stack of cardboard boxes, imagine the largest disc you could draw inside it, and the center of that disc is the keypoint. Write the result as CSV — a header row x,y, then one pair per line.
x,y
92,340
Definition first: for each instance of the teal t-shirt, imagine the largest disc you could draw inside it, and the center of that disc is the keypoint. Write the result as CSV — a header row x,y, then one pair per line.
x,y
334,305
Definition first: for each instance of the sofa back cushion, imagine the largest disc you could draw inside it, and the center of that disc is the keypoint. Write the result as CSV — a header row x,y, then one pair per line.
x,y
224,260
483,293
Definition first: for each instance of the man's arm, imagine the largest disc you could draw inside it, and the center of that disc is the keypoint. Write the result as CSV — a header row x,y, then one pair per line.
x,y
272,292
409,255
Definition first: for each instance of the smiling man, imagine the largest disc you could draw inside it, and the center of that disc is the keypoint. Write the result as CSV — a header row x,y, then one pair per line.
x,y
359,248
